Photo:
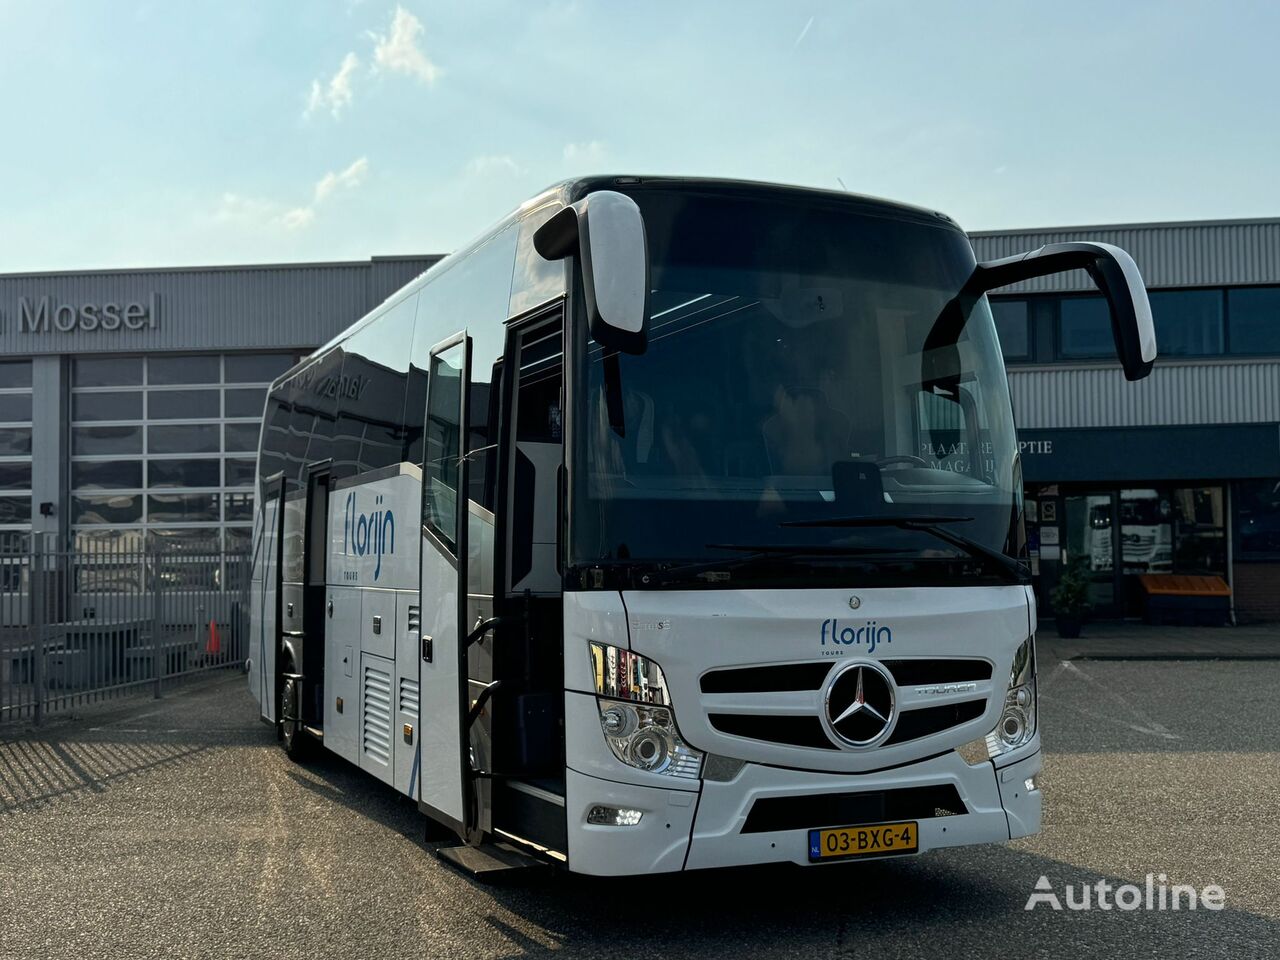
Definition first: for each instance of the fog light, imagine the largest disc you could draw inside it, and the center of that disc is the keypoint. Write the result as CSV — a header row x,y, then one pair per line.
x,y
1030,783
613,816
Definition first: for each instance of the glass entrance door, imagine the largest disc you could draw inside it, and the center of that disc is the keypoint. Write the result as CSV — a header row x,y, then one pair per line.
x,y
1088,538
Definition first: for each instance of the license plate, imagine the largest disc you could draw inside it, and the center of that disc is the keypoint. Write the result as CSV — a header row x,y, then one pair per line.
x,y
873,839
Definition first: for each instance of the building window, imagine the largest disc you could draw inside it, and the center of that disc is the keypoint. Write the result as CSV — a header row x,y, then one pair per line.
x,y
1084,328
1013,327
1188,322
15,374
1253,317
15,446
1258,519
183,370
93,405
107,372
147,462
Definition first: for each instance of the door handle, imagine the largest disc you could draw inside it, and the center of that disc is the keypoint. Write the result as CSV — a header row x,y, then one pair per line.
x,y
427,645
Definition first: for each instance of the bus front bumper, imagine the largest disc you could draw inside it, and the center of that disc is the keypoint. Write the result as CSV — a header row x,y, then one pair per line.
x,y
733,823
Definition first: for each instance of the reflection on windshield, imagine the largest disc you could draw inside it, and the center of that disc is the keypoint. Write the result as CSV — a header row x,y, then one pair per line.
x,y
783,381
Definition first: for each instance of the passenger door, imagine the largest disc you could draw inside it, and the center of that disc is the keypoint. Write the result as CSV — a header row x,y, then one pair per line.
x,y
444,778
266,613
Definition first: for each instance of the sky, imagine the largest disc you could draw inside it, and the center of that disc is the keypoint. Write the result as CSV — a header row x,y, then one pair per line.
x,y
190,132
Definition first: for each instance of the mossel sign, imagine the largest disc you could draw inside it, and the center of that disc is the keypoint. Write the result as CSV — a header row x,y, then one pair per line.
x,y
44,315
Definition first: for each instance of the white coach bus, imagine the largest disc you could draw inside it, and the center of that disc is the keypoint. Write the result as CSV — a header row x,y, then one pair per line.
x,y
672,524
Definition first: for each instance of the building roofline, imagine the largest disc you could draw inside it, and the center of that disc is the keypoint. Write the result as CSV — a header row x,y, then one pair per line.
x,y
223,268
1148,225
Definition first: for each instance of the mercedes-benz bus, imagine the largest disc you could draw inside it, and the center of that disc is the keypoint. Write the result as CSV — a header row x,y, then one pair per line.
x,y
671,524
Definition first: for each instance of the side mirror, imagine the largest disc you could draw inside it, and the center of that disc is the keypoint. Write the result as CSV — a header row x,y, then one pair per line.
x,y
606,230
1117,277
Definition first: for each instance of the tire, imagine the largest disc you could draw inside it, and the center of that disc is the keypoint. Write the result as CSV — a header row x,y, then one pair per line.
x,y
293,739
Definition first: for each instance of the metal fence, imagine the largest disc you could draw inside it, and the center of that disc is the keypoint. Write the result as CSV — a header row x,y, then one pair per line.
x,y
109,617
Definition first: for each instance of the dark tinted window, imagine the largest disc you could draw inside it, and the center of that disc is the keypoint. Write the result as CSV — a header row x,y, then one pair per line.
x,y
120,441
239,506
1188,322
186,438
1085,327
107,372
245,402
119,508
182,507
242,436
15,407
183,404
15,476
1258,519
165,370
106,406
443,442
257,367
1254,316
15,441
15,373
15,509
240,472
106,475
1013,327
183,473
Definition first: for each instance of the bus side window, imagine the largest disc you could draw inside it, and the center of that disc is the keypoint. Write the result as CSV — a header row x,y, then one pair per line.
x,y
443,445
539,419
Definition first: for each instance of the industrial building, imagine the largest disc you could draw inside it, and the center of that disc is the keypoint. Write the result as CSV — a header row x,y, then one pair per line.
x,y
130,402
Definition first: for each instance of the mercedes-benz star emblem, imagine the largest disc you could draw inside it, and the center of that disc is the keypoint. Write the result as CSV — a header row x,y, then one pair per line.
x,y
859,704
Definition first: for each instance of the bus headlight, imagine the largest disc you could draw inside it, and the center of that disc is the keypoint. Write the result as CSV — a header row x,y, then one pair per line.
x,y
635,714
644,736
1017,724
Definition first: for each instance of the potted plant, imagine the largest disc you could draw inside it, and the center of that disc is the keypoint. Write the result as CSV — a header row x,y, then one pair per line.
x,y
1070,598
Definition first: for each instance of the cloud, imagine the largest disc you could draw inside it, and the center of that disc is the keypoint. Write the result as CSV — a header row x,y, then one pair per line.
x,y
803,33
297,218
337,93
493,163
258,212
398,51
346,179
587,152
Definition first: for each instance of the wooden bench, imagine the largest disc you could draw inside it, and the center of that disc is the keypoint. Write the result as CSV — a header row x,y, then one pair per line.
x,y
1186,599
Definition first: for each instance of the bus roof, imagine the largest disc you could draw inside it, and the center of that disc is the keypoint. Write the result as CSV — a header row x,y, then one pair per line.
x,y
573,189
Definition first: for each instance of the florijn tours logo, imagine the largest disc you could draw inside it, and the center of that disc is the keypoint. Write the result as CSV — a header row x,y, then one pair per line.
x,y
368,534
834,638
1157,894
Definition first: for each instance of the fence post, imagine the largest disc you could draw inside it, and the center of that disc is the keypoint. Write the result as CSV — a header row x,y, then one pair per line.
x,y
157,655
37,624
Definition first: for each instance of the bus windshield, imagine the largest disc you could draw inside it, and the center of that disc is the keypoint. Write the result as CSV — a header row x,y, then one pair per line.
x,y
783,422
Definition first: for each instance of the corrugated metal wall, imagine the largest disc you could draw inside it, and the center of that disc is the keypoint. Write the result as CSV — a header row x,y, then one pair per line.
x,y
1169,255
1217,391
233,308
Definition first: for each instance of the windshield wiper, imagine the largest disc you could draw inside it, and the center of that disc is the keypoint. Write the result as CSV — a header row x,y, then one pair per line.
x,y
931,525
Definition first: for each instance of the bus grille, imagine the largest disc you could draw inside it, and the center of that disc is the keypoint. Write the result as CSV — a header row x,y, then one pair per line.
x,y
807,730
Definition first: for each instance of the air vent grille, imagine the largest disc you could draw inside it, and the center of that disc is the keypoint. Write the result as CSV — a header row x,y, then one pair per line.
x,y
375,718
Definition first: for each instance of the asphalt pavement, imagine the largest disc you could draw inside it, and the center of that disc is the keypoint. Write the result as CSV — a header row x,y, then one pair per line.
x,y
176,828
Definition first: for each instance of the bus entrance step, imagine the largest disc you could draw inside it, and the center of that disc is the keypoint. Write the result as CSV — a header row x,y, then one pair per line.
x,y
488,860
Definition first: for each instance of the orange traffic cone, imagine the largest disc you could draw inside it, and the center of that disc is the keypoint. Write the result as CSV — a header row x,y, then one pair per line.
x,y
214,646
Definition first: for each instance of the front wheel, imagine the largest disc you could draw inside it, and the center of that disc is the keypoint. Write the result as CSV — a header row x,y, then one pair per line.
x,y
292,737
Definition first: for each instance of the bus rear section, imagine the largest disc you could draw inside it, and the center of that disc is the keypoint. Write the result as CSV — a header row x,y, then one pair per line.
x,y
673,524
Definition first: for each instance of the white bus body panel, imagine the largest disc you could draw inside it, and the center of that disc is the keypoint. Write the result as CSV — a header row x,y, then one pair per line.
x,y
441,731
691,632
371,661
